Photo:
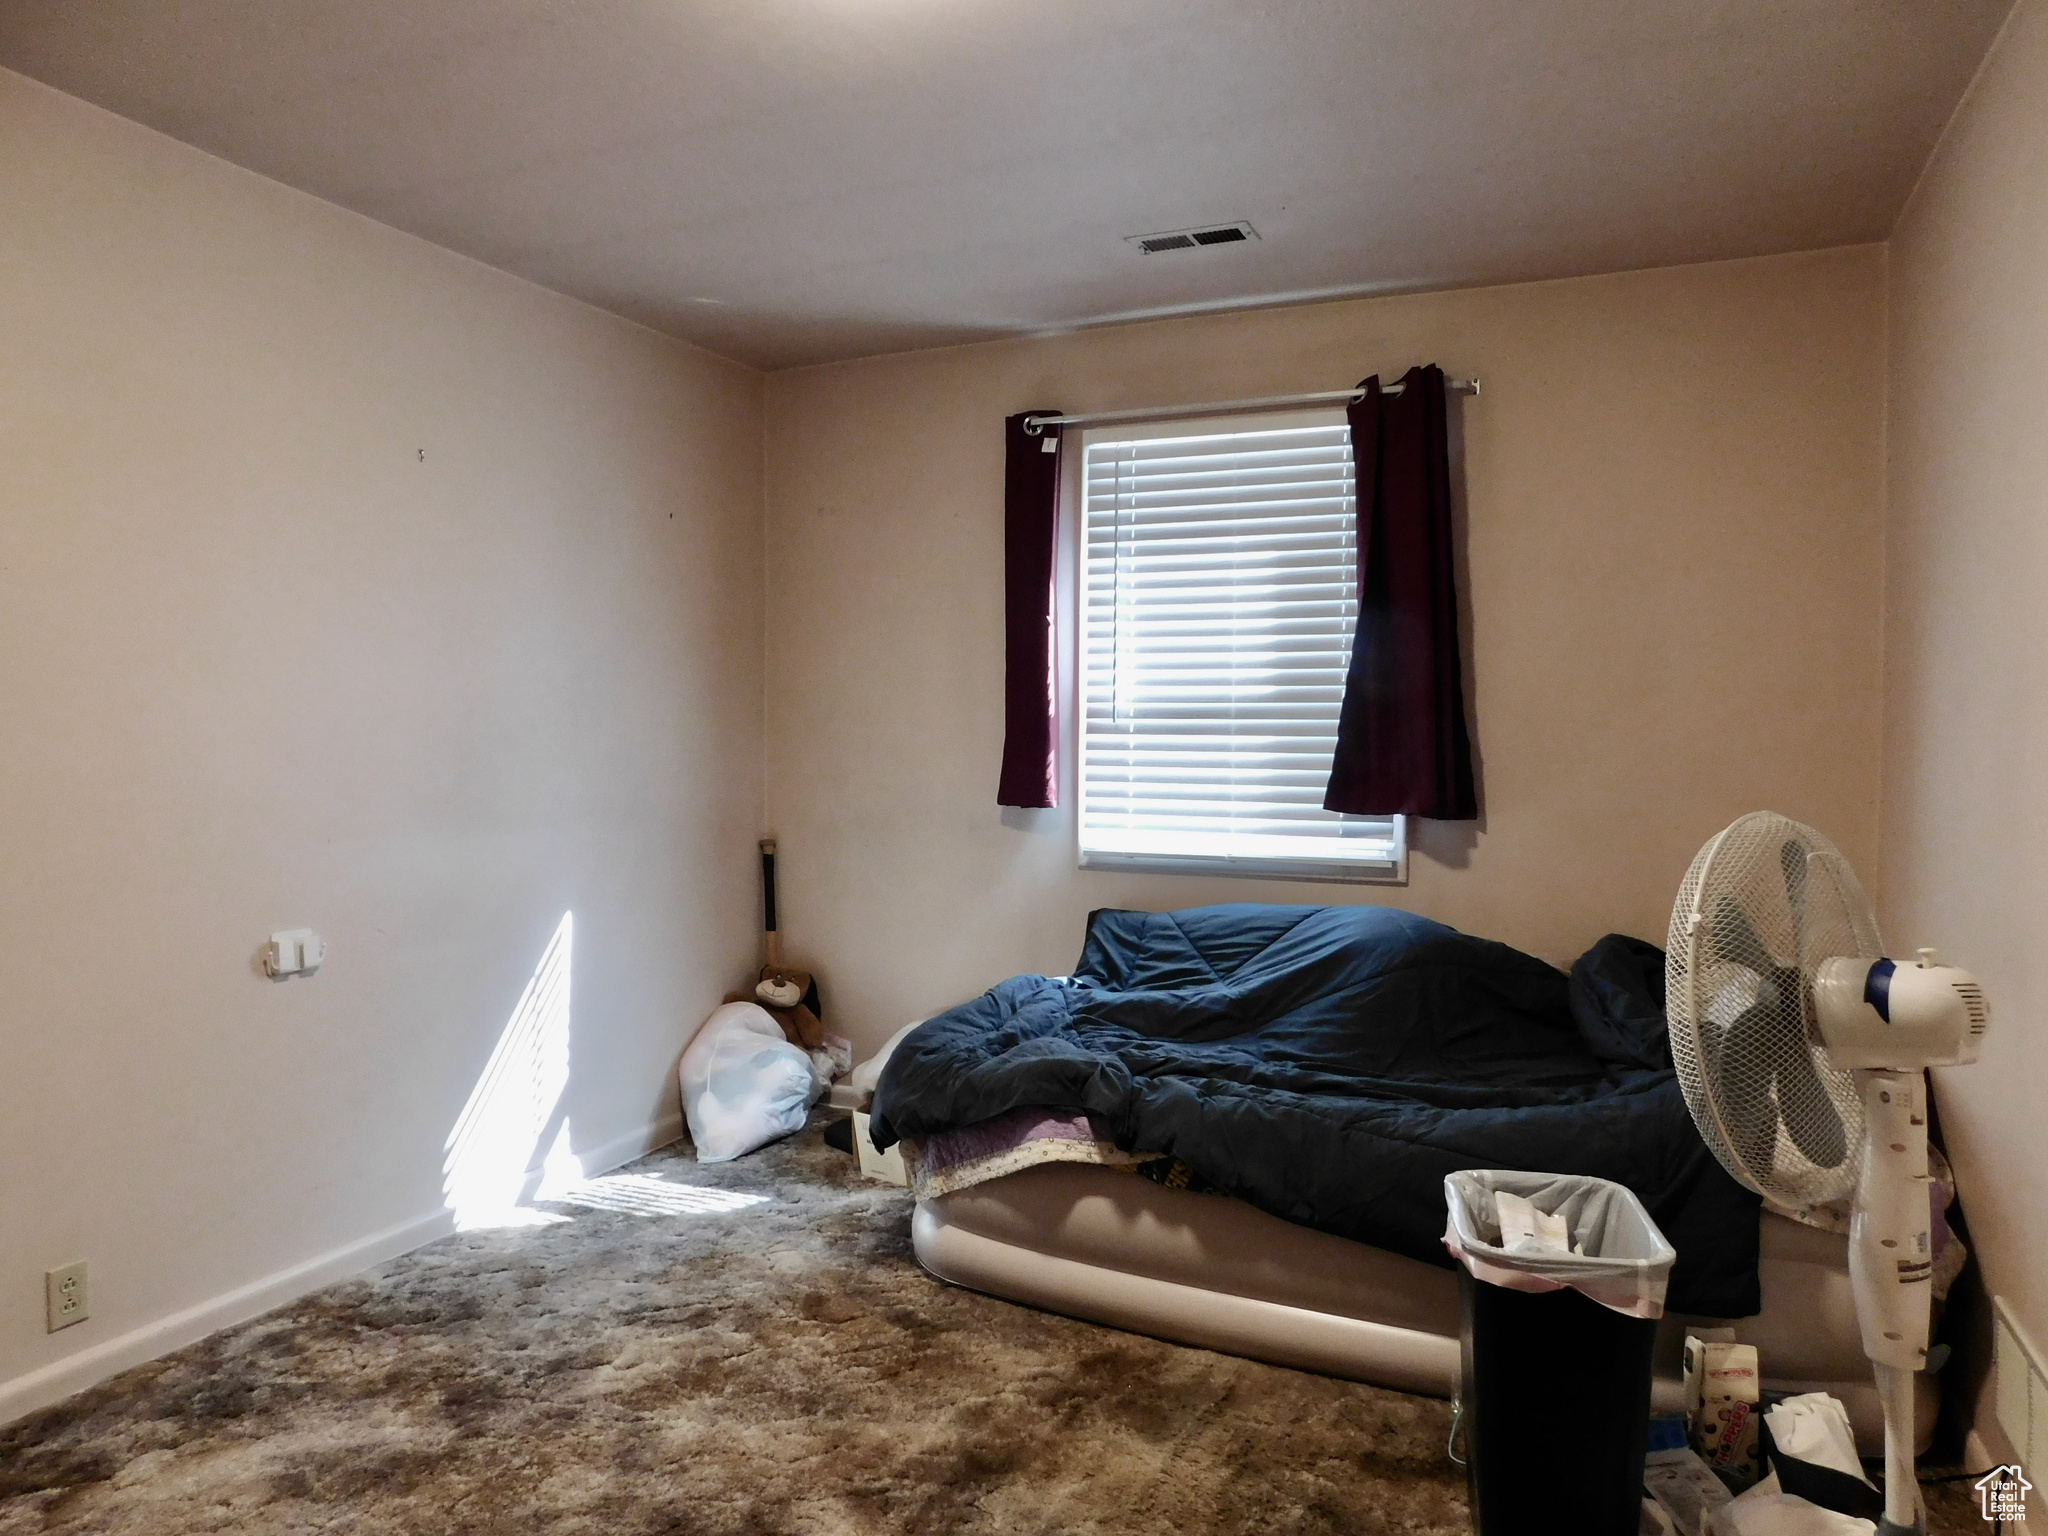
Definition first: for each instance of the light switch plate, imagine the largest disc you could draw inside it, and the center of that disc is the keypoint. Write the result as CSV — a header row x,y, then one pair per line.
x,y
65,1297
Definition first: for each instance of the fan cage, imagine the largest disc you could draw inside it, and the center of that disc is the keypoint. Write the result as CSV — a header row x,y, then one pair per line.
x,y
1762,905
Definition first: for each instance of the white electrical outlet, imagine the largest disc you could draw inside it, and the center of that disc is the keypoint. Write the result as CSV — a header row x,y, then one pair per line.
x,y
295,952
2020,1388
65,1297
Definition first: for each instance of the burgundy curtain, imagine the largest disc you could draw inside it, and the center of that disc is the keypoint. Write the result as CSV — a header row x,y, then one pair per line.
x,y
1401,741
1031,488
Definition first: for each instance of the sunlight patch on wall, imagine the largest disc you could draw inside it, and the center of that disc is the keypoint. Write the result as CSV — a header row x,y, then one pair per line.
x,y
499,1130
561,1169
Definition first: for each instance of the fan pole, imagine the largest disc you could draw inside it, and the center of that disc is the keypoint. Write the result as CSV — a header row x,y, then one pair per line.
x,y
1891,1270
1901,1483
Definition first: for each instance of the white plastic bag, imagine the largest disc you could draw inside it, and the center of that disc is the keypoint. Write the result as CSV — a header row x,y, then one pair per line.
x,y
744,1085
1617,1256
1758,1513
1684,1487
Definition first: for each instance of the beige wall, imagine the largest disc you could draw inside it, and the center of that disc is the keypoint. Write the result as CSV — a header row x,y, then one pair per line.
x,y
1674,487
1966,676
261,665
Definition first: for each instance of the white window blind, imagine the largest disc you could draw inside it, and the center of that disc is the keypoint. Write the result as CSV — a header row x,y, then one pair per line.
x,y
1219,595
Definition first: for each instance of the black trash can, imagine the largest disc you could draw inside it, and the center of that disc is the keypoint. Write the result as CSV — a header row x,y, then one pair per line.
x,y
1554,1404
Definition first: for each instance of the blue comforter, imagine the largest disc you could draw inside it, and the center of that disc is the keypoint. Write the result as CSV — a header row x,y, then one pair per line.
x,y
1331,1064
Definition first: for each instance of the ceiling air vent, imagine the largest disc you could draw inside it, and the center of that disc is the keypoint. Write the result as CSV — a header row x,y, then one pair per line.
x,y
1193,239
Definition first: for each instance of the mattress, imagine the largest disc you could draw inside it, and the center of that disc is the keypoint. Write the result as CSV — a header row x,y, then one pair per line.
x,y
1279,1049
1203,1269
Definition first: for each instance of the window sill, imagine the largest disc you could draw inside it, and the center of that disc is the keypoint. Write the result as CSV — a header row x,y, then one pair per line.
x,y
1392,870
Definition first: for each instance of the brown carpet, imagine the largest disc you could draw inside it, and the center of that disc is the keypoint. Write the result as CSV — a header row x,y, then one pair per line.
x,y
781,1367
670,1360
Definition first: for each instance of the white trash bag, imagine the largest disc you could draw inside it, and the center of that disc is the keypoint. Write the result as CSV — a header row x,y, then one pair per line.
x,y
744,1085
1611,1249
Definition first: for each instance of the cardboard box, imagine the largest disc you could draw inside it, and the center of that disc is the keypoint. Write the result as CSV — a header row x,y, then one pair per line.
x,y
876,1164
1725,1425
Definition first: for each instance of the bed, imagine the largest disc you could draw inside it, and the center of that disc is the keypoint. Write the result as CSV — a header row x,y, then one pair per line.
x,y
1263,1057
1101,1245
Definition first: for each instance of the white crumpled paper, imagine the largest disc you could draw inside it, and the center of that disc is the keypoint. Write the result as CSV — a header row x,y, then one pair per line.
x,y
1524,1229
1761,1513
1814,1427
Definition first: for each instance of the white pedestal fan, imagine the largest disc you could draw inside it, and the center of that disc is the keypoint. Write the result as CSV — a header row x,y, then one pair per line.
x,y
1803,1052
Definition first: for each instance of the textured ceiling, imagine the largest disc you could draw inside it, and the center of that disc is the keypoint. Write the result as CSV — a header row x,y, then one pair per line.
x,y
793,181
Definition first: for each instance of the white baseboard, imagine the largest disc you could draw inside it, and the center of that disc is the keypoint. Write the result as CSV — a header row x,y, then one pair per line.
x,y
634,1144
74,1373
56,1381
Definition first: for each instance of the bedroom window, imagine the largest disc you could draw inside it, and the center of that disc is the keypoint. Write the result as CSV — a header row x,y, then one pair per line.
x,y
1219,590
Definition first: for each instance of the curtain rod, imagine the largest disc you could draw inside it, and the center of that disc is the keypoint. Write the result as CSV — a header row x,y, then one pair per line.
x,y
1035,424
